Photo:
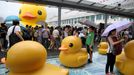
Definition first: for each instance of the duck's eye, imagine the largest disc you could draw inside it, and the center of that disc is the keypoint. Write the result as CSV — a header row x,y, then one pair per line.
x,y
71,45
39,12
20,12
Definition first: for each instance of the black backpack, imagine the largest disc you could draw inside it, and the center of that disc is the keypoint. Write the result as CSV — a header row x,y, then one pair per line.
x,y
13,38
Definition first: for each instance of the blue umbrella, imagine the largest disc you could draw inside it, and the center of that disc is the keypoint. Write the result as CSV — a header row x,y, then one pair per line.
x,y
11,18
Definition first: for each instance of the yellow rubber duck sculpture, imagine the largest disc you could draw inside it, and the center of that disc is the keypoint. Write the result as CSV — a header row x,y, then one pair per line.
x,y
125,61
103,47
72,54
28,58
31,14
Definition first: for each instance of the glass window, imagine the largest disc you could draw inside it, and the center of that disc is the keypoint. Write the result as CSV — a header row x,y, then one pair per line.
x,y
98,17
131,19
66,21
63,22
87,17
75,22
113,17
69,21
104,16
92,18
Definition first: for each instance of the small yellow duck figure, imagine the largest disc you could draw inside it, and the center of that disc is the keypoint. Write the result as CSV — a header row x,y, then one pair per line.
x,y
103,47
125,61
72,54
28,58
32,14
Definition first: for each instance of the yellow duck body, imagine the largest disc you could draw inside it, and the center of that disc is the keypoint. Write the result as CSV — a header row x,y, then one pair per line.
x,y
103,47
48,69
72,55
32,14
125,61
28,58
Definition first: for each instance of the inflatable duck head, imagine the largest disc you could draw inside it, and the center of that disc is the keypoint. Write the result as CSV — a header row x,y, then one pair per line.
x,y
129,50
71,44
31,14
103,46
26,56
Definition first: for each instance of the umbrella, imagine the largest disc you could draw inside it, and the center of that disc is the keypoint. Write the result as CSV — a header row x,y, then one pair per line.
x,y
87,23
119,26
11,18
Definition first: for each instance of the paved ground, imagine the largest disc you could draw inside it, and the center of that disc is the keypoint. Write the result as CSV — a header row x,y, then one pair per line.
x,y
95,68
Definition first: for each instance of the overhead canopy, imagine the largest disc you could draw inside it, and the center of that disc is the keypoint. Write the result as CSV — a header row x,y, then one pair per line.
x,y
86,5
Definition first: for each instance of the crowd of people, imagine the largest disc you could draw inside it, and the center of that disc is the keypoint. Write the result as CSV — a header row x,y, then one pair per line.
x,y
51,37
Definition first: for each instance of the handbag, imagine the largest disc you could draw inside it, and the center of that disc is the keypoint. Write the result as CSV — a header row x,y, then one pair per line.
x,y
116,49
13,38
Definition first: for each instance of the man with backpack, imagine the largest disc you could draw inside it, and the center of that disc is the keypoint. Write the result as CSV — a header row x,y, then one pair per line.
x,y
14,34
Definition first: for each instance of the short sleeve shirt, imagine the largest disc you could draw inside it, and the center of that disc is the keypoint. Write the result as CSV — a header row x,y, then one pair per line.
x,y
55,33
17,28
90,38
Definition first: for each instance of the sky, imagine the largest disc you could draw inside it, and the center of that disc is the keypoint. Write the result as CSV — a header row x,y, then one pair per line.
x,y
9,8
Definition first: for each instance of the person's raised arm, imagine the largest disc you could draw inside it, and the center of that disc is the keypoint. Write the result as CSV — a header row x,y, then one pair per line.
x,y
114,43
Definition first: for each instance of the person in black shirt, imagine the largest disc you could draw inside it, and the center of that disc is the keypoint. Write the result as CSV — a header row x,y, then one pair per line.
x,y
3,31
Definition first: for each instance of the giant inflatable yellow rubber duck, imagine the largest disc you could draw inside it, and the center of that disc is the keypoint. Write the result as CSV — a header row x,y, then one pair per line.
x,y
32,14
103,47
72,54
28,58
125,61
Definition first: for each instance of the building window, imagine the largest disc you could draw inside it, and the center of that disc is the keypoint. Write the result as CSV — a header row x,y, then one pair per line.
x,y
75,22
131,19
63,21
104,16
67,21
87,17
78,18
98,17
92,18
113,16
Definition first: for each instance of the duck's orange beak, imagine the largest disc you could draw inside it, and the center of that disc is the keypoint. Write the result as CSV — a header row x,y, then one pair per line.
x,y
63,48
28,15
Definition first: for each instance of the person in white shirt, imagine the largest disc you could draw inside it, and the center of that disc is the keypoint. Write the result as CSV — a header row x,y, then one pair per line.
x,y
55,33
56,36
17,31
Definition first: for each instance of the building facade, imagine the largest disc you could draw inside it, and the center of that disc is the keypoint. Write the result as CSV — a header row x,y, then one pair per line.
x,y
98,18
